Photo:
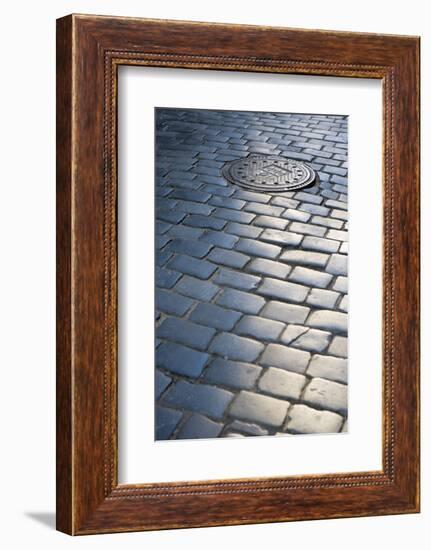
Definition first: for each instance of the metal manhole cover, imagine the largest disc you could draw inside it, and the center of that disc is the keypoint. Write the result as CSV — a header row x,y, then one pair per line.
x,y
269,173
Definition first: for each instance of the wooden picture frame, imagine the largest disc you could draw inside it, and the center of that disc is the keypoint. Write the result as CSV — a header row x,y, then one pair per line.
x,y
89,51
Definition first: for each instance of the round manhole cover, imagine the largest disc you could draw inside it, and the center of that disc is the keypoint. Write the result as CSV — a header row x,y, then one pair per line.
x,y
269,173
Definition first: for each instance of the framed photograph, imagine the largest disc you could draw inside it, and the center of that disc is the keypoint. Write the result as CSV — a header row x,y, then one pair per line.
x,y
237,274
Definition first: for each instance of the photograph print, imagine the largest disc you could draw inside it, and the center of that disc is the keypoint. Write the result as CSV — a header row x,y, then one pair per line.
x,y
251,273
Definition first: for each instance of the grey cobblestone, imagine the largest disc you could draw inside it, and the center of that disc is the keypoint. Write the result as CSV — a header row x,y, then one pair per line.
x,y
303,257
230,258
214,316
166,422
305,420
241,301
271,222
199,427
180,359
235,347
199,398
185,332
338,346
330,368
313,340
322,298
243,230
307,229
287,313
282,238
232,374
329,320
256,248
236,279
328,395
341,284
319,244
259,328
196,288
282,383
284,357
172,303
282,290
310,277
269,267
254,407
220,239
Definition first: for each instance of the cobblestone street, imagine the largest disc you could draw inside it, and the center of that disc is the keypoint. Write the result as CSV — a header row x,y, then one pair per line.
x,y
251,297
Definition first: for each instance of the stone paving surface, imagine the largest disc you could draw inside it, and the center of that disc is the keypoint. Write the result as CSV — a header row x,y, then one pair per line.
x,y
251,297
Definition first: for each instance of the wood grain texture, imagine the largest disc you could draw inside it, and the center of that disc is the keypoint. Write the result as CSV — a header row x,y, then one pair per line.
x,y
90,49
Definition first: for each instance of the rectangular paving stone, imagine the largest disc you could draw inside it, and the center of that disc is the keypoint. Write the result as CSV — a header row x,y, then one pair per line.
x,y
172,303
161,382
233,215
327,395
339,214
319,244
308,197
166,278
327,222
336,204
247,428
209,222
296,215
219,238
185,332
199,427
232,374
256,248
314,209
313,340
282,383
263,209
195,288
344,304
310,277
341,284
243,230
338,347
185,232
282,290
190,195
338,235
284,357
170,216
180,359
193,208
322,298
241,301
271,222
328,367
230,258
236,279
250,196
166,422
269,267
306,420
192,266
285,202
199,398
254,407
197,249
302,257
307,229
330,320
259,328
214,316
283,238
337,264
231,346
225,202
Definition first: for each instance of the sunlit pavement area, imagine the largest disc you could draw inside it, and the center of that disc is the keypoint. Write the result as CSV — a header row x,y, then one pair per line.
x,y
251,288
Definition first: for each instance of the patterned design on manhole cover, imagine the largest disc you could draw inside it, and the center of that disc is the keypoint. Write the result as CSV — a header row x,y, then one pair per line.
x,y
269,173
